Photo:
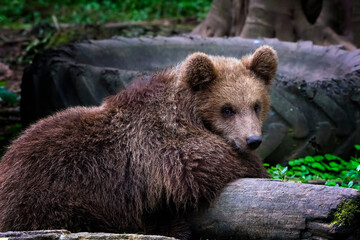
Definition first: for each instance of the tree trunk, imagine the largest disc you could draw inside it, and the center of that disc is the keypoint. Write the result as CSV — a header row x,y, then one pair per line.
x,y
270,209
323,22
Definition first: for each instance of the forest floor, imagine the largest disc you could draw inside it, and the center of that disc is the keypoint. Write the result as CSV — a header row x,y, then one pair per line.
x,y
18,48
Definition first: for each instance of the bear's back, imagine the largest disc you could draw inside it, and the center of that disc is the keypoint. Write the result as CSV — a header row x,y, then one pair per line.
x,y
100,160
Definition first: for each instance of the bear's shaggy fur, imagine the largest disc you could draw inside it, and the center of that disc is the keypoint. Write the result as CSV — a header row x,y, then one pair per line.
x,y
146,156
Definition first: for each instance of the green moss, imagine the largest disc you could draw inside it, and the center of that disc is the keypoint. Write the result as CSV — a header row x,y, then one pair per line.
x,y
345,213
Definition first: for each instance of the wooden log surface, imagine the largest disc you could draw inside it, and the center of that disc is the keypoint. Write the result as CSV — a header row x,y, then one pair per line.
x,y
253,209
271,209
66,235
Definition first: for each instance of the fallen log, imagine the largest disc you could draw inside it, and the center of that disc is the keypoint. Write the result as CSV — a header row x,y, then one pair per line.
x,y
66,235
257,209
270,209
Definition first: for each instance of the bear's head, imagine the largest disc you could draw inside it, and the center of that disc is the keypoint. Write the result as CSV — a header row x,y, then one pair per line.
x,y
232,95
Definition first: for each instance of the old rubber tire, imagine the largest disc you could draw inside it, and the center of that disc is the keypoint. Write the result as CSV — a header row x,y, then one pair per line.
x,y
315,98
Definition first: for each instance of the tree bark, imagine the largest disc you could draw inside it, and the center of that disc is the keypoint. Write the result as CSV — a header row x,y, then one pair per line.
x,y
323,22
218,16
270,209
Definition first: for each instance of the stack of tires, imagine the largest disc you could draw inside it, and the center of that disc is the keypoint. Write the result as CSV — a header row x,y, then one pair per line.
x,y
315,98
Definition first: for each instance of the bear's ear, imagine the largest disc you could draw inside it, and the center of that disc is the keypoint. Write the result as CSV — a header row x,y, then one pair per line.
x,y
263,63
199,70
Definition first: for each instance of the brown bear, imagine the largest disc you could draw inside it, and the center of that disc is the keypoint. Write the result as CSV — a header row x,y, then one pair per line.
x,y
147,156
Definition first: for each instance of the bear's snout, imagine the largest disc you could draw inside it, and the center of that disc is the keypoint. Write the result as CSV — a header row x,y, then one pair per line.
x,y
253,142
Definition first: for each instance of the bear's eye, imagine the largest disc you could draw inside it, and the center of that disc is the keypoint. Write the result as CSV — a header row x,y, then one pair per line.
x,y
257,108
227,112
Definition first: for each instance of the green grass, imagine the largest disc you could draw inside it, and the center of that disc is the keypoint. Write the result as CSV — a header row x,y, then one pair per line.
x,y
19,12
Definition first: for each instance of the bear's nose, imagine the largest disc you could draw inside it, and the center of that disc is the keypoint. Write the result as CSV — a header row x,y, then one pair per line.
x,y
253,142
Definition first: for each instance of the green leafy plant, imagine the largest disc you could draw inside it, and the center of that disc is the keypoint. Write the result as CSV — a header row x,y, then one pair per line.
x,y
8,97
42,32
278,172
330,168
